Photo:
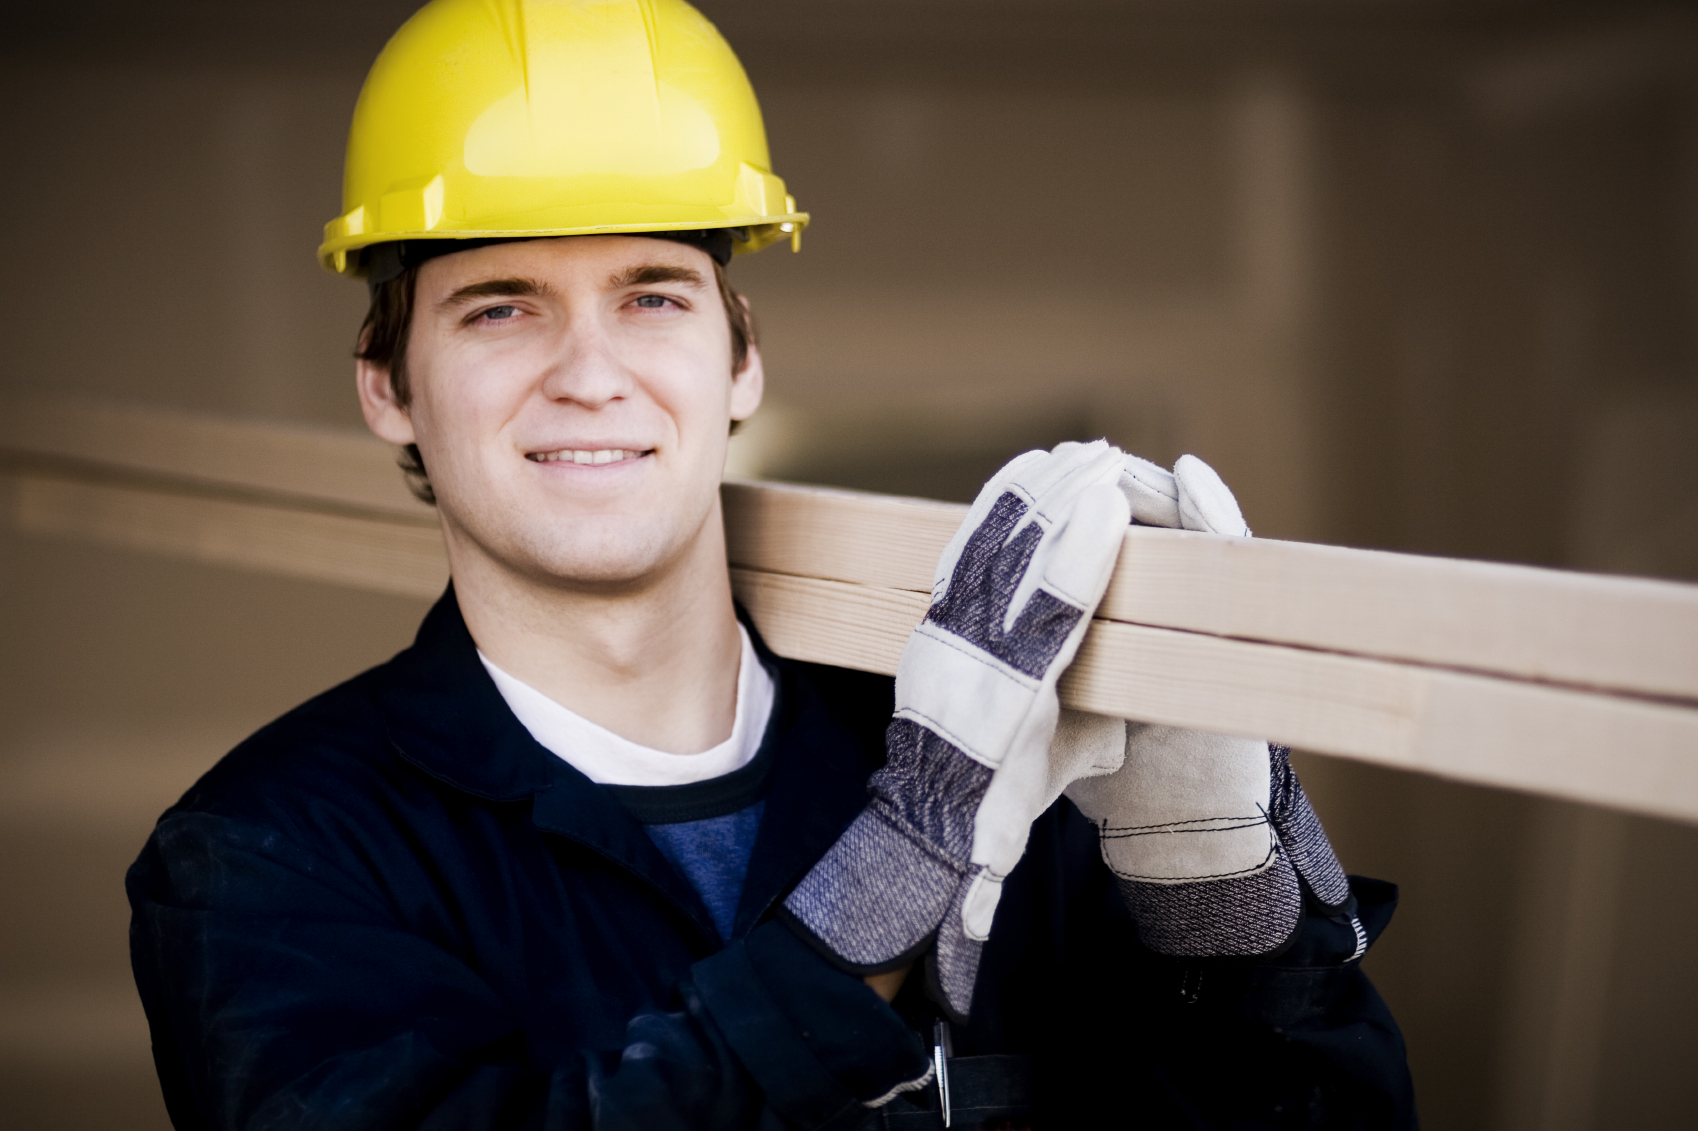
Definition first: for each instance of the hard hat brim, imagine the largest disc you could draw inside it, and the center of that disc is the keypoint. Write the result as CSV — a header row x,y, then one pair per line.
x,y
341,254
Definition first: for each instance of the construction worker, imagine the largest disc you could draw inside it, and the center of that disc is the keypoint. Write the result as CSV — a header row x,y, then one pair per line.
x,y
588,854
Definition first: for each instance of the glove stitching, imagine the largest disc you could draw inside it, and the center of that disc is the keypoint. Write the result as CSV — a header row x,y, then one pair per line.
x,y
950,640
1262,867
944,733
1064,597
1119,831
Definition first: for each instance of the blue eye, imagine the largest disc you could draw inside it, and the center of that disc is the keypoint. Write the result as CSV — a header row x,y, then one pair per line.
x,y
651,302
499,313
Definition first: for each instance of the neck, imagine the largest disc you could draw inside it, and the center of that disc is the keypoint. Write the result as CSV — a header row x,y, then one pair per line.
x,y
654,662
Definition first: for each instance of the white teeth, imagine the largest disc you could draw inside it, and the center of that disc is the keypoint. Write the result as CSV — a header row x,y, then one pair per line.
x,y
579,455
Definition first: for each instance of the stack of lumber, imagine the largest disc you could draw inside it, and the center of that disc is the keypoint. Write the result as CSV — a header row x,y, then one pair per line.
x,y
1565,684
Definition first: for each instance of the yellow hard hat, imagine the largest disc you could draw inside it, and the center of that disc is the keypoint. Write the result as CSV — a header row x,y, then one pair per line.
x,y
515,119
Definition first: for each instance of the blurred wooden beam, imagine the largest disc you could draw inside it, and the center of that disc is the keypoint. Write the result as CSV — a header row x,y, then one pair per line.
x,y
1564,684
386,556
327,467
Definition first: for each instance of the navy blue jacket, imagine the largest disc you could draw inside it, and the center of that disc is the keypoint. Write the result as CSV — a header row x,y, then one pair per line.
x,y
393,908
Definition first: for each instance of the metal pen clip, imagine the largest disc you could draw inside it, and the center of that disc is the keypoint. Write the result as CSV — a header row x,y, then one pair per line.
x,y
941,1050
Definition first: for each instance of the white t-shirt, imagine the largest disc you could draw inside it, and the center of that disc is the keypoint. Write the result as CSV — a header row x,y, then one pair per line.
x,y
604,757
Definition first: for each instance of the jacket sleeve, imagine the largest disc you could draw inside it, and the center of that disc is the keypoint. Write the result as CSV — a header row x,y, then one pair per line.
x,y
281,995
1315,999
1298,1040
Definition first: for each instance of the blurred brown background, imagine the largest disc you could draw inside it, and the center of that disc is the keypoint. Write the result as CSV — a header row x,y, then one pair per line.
x,y
1411,275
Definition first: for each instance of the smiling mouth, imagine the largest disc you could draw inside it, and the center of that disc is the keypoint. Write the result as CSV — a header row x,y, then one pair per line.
x,y
586,455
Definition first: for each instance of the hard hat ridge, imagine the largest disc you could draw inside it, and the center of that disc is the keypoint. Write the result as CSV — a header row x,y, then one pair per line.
x,y
486,120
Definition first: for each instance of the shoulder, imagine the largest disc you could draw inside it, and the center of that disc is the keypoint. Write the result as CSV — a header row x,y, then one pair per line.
x,y
331,749
293,818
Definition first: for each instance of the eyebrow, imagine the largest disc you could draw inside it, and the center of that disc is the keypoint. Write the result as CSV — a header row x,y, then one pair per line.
x,y
489,287
655,273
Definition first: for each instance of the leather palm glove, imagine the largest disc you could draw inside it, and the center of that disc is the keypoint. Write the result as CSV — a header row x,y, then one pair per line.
x,y
1212,839
976,709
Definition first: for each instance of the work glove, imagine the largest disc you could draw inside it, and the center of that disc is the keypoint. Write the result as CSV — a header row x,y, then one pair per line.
x,y
976,708
1212,838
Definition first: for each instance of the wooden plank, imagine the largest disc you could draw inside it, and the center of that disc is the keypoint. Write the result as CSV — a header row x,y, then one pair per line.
x,y
877,540
342,467
399,557
1317,700
1602,749
830,622
1570,743
1616,633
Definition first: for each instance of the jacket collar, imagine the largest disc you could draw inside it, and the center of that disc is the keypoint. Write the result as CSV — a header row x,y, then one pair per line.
x,y
818,786
445,716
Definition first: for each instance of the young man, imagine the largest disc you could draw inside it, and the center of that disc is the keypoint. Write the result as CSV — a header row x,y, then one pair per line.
x,y
588,854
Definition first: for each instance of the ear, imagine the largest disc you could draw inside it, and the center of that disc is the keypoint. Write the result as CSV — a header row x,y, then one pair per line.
x,y
749,383
384,414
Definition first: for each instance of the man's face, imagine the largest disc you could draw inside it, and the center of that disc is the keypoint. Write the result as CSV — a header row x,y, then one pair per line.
x,y
572,400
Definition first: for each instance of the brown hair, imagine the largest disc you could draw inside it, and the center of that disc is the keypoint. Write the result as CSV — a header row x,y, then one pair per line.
x,y
383,342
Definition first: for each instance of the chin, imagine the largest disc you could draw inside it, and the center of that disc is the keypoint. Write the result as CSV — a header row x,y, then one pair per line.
x,y
615,552
559,543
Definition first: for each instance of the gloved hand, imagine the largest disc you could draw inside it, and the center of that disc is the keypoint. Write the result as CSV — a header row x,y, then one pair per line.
x,y
1190,497
976,708
1211,836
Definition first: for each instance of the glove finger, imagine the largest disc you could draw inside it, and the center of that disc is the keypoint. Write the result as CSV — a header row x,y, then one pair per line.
x,y
1063,528
1073,562
1009,473
992,645
983,504
1049,630
1056,494
978,906
1152,491
1040,482
1205,502
1077,563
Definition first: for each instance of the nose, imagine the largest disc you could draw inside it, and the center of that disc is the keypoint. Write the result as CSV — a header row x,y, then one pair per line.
x,y
585,368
